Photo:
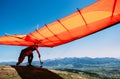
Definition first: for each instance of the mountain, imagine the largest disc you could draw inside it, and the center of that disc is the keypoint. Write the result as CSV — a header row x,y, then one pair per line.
x,y
7,63
85,62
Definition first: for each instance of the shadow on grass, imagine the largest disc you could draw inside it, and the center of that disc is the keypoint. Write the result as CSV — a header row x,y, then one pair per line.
x,y
28,72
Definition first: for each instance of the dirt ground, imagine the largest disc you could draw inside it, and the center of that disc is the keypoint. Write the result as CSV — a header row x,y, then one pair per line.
x,y
26,72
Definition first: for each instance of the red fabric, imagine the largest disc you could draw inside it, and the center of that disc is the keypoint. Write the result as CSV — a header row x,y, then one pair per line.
x,y
91,19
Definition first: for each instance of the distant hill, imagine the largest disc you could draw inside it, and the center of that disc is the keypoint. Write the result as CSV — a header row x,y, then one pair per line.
x,y
81,62
7,63
84,62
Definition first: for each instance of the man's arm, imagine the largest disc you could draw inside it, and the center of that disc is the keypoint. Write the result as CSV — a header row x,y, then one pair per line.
x,y
37,51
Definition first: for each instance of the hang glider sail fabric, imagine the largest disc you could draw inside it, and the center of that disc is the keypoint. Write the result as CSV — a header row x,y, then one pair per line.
x,y
81,23
18,40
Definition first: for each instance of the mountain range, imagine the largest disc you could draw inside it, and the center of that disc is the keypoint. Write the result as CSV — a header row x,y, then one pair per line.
x,y
74,62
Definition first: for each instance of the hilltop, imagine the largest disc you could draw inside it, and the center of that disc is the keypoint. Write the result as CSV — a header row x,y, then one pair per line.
x,y
28,72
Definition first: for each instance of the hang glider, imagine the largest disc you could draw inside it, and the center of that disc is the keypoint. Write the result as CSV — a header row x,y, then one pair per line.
x,y
18,40
100,15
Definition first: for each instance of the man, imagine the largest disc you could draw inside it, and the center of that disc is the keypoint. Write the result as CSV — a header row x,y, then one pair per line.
x,y
28,52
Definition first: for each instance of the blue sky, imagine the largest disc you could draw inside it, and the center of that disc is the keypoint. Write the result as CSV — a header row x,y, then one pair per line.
x,y
24,16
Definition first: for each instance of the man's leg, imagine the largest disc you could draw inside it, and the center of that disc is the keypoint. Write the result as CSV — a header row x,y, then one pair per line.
x,y
21,58
30,58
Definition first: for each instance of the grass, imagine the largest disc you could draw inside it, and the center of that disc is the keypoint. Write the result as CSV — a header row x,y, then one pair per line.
x,y
6,72
68,75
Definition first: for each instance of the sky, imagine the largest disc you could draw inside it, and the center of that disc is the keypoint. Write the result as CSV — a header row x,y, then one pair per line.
x,y
24,16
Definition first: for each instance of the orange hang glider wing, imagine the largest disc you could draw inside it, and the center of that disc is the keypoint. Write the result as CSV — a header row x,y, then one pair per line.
x,y
18,40
91,19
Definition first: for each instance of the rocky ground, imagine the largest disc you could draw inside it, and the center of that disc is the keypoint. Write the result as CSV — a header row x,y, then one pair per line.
x,y
28,72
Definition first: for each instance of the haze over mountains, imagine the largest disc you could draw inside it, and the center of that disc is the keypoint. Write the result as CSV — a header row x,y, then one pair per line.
x,y
74,62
